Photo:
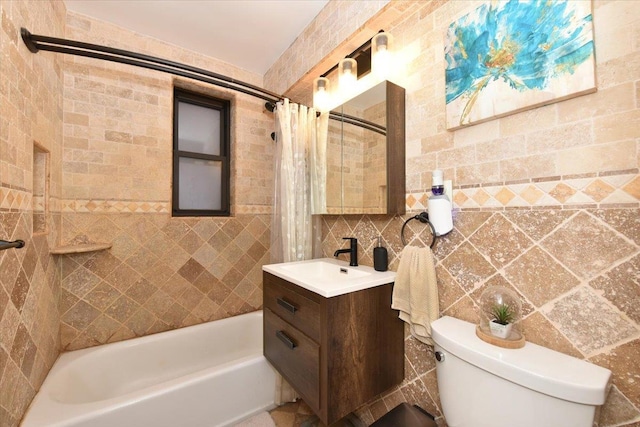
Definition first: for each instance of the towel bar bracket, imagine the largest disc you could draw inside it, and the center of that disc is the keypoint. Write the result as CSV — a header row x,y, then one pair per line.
x,y
423,217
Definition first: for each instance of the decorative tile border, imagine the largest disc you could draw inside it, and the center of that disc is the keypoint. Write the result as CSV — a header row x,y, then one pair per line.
x,y
131,206
621,188
114,206
252,209
14,199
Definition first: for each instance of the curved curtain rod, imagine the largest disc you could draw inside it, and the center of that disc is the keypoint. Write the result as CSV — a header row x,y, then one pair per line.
x,y
36,43
53,44
346,118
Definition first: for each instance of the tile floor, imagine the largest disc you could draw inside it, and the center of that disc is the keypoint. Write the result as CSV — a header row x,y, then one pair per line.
x,y
295,414
298,414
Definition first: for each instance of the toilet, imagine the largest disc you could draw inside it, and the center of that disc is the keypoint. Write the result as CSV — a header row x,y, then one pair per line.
x,y
482,385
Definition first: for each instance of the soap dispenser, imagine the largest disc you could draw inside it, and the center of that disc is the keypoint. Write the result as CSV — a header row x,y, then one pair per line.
x,y
380,257
439,206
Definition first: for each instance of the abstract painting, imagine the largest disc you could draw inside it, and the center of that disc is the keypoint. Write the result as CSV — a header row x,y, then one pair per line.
x,y
508,56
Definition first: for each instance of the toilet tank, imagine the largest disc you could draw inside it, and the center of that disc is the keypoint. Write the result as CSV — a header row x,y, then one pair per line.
x,y
482,385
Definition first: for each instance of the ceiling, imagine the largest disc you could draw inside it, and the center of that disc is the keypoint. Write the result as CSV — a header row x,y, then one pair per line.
x,y
250,34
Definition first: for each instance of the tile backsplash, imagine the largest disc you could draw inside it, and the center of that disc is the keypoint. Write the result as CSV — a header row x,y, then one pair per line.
x,y
575,270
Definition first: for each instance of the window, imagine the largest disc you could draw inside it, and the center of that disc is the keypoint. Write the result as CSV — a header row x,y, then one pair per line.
x,y
201,149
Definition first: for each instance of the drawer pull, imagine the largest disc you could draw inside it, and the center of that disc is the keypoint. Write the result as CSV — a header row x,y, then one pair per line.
x,y
285,339
287,305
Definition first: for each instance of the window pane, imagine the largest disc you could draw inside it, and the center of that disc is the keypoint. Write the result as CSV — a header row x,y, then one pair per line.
x,y
198,129
200,184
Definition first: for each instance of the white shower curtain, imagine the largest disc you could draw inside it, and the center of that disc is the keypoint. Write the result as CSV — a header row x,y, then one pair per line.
x,y
300,178
300,187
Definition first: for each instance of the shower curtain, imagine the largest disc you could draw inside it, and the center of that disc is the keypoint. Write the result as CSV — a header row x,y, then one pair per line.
x,y
300,182
300,191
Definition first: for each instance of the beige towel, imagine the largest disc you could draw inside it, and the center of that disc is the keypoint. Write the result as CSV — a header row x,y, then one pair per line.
x,y
415,292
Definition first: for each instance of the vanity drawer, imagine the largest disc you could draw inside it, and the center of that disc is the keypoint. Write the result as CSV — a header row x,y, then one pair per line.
x,y
294,355
288,302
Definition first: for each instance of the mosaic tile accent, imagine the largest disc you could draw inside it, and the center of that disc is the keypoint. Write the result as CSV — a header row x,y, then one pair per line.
x,y
114,206
611,188
15,200
132,206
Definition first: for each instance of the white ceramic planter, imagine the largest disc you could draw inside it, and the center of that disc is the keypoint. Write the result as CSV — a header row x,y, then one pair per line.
x,y
500,331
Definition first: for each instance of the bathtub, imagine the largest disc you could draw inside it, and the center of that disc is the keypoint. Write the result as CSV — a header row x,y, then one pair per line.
x,y
212,374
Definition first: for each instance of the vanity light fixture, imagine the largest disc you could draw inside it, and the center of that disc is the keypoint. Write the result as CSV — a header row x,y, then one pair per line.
x,y
382,54
355,65
321,95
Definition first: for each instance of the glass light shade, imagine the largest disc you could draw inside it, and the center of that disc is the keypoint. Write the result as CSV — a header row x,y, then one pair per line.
x,y
321,95
347,74
382,54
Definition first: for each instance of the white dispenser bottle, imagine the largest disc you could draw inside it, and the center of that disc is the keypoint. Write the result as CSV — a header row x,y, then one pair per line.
x,y
439,205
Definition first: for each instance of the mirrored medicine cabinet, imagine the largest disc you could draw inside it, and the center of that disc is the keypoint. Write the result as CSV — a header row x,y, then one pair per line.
x,y
366,153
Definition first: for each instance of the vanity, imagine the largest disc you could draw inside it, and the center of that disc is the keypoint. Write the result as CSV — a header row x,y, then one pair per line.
x,y
329,330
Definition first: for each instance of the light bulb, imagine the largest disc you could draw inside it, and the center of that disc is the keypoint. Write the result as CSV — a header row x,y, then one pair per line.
x,y
321,95
347,74
382,54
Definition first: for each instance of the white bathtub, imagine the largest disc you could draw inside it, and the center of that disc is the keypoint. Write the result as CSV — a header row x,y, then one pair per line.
x,y
213,374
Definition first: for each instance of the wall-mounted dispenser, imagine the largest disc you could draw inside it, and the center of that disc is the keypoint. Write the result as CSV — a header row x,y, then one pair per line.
x,y
439,206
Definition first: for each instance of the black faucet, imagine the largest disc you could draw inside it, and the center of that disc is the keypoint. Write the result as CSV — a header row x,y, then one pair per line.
x,y
352,251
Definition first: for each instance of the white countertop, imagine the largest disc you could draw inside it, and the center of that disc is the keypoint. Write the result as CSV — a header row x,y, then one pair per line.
x,y
330,277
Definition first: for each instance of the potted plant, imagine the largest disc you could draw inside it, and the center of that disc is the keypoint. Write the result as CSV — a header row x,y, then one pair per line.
x,y
501,323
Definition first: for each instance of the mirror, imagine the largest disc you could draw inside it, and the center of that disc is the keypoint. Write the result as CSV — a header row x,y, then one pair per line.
x,y
365,153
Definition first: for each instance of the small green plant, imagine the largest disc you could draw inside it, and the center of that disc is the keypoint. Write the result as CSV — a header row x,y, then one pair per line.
x,y
502,314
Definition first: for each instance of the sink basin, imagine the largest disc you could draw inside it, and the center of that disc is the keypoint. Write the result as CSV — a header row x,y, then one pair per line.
x,y
330,277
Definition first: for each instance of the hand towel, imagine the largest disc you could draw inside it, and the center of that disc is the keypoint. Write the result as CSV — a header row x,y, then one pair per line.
x,y
415,292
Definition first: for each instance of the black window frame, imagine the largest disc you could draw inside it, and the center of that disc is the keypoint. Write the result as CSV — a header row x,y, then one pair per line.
x,y
224,107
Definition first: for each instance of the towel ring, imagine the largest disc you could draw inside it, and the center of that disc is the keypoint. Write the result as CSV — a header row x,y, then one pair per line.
x,y
423,217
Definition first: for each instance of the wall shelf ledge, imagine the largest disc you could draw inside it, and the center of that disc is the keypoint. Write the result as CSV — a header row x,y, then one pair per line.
x,y
79,248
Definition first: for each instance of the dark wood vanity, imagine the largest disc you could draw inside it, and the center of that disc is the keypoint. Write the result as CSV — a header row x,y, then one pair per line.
x,y
337,353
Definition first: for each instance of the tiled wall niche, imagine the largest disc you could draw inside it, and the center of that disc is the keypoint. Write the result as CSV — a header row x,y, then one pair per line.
x,y
41,182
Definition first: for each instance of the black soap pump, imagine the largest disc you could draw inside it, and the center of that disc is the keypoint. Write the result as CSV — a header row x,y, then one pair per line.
x,y
380,257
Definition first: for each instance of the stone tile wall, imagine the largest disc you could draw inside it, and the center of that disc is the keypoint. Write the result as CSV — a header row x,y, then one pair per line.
x,y
30,113
107,131
118,123
162,272
576,271
546,201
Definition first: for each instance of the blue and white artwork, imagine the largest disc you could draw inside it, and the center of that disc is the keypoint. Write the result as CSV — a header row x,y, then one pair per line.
x,y
508,56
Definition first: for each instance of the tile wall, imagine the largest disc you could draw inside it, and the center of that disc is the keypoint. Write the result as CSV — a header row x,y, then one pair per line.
x,y
30,114
546,201
106,132
162,272
575,269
